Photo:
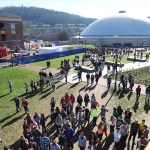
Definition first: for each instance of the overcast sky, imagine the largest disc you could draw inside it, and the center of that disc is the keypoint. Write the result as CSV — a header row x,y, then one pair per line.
x,y
88,8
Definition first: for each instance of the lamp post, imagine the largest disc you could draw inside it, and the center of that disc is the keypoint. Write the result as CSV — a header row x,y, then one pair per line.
x,y
116,63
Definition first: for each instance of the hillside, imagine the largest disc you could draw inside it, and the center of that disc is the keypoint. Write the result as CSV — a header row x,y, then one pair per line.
x,y
46,16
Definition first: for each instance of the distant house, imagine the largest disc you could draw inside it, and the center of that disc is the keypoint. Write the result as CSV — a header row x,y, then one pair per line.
x,y
11,30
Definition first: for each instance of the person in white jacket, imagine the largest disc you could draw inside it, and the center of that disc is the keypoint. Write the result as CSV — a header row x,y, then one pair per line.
x,y
117,137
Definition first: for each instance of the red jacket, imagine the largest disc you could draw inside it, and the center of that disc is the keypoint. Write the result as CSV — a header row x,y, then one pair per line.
x,y
25,103
72,99
138,89
67,97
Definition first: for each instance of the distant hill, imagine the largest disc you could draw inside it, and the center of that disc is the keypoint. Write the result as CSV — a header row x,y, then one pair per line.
x,y
46,16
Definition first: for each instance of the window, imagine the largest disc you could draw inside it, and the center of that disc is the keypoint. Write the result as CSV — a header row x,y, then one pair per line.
x,y
2,26
3,37
12,26
13,36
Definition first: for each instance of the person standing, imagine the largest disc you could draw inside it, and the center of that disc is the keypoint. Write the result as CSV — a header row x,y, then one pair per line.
x,y
117,137
53,83
147,98
141,128
133,131
94,114
109,80
69,137
61,135
42,123
79,100
52,103
17,102
138,91
44,142
82,141
88,78
128,115
48,63
80,75
72,99
92,79
92,141
80,119
26,85
124,134
25,104
86,99
10,86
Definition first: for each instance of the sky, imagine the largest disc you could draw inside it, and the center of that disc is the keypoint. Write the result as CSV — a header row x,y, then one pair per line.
x,y
88,8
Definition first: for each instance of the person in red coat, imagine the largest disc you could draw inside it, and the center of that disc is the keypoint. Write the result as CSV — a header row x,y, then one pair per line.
x,y
67,97
138,91
72,99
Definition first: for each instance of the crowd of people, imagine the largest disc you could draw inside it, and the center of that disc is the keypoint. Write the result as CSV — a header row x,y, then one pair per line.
x,y
74,114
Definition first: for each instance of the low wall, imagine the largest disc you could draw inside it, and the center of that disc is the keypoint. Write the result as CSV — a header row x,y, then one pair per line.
x,y
28,59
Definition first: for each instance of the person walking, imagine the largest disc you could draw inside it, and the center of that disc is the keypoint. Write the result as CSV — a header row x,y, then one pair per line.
x,y
72,99
94,114
80,75
82,141
44,142
128,115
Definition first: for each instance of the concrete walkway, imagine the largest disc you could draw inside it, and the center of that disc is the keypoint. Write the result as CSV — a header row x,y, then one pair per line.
x,y
73,78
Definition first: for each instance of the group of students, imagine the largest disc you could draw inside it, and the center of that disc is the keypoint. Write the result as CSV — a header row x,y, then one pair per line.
x,y
77,113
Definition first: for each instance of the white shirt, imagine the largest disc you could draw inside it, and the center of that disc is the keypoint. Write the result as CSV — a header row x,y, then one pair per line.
x,y
117,136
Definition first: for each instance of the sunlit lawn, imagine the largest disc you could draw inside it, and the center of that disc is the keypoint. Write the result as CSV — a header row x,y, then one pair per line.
x,y
55,63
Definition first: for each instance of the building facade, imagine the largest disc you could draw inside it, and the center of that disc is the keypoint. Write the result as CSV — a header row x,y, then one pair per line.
x,y
117,31
11,30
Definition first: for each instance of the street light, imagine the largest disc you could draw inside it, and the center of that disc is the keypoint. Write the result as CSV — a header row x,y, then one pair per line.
x,y
116,64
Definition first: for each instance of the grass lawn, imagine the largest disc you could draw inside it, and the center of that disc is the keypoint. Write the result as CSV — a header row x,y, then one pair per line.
x,y
123,60
55,63
7,106
141,76
11,122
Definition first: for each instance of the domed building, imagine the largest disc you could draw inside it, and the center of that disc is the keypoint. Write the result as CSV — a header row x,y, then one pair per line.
x,y
118,31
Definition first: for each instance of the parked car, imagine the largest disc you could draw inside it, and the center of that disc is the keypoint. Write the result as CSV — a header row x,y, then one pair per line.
x,y
22,53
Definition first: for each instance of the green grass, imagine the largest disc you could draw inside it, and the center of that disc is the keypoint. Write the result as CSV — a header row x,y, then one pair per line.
x,y
7,106
55,63
11,123
141,76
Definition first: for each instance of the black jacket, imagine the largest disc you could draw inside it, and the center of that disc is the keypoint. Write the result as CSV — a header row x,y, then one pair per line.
x,y
134,127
